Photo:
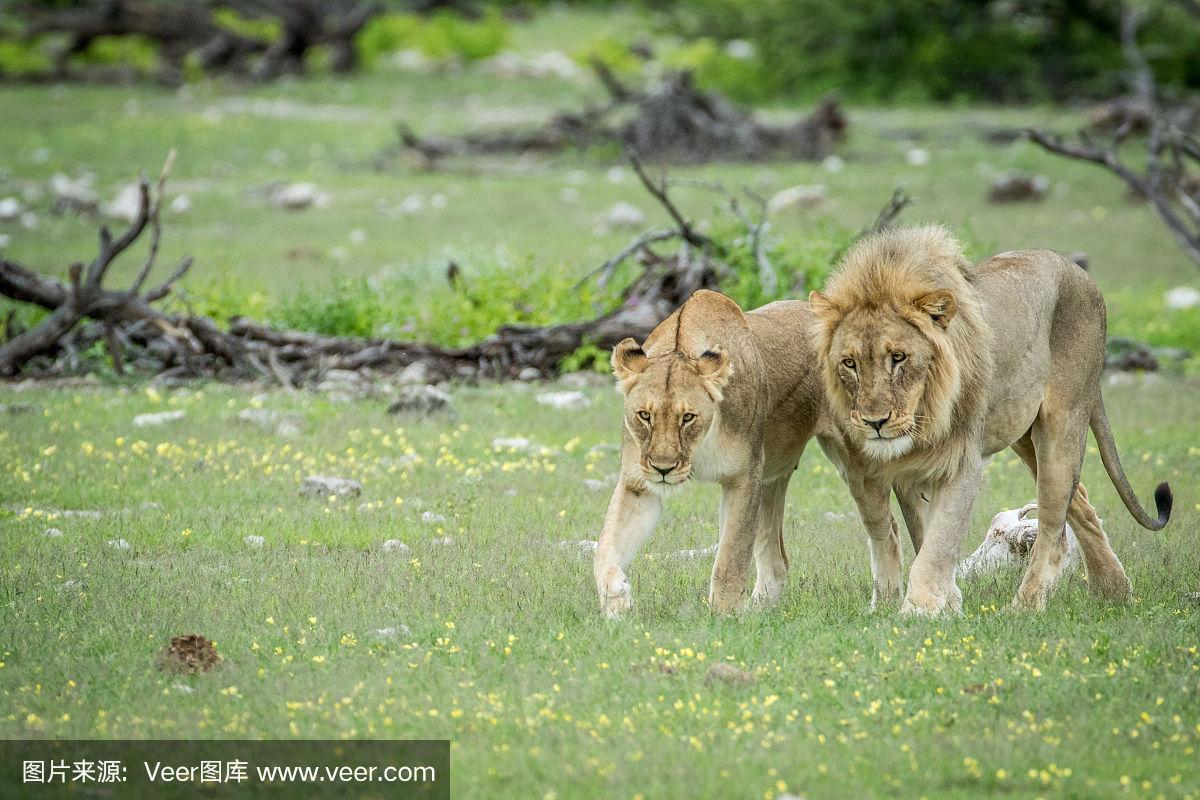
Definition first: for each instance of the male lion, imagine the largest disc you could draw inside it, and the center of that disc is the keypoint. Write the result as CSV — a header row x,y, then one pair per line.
x,y
715,395
931,365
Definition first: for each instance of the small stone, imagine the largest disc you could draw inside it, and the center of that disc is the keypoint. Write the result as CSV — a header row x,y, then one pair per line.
x,y
420,399
157,418
529,374
798,197
430,518
10,208
181,204
414,374
75,196
392,632
298,196
445,541
53,533
564,400
126,205
254,541
727,673
584,380
515,443
1017,187
118,544
323,486
1182,297
595,485
395,546
833,164
624,215
917,157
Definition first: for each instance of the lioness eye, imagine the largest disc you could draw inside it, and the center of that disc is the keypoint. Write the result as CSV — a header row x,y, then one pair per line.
x,y
688,417
644,416
898,358
848,363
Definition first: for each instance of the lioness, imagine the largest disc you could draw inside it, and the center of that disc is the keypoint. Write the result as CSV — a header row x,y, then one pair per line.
x,y
714,395
931,365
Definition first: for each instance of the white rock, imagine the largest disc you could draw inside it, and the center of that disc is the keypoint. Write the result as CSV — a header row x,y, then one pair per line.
x,y
445,541
357,236
430,518
698,552
5,240
583,546
798,197
392,632
917,156
263,417
74,195
10,208
413,204
126,204
118,544
615,174
515,443
53,533
325,485
437,200
595,485
412,61
29,220
421,399
158,418
254,541
1182,297
740,49
297,196
181,204
569,195
529,374
183,688
833,164
564,400
414,374
624,215
395,546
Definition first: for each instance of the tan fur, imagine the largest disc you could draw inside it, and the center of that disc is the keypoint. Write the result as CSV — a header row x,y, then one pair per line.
x,y
932,364
755,406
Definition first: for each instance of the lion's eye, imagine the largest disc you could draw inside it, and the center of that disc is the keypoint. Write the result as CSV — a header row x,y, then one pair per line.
x,y
688,417
898,358
644,416
848,363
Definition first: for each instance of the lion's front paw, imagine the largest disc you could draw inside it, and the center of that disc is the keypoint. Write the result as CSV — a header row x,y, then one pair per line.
x,y
932,602
726,601
885,598
616,595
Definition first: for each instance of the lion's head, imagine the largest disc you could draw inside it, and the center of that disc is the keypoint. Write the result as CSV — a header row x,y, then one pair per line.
x,y
673,383
895,323
671,404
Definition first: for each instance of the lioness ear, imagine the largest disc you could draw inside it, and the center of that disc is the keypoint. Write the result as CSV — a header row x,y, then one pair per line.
x,y
628,361
713,366
940,305
823,307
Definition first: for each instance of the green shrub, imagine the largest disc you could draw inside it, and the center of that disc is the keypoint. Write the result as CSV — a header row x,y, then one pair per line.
x,y
133,51
998,50
23,58
742,79
613,53
263,28
444,35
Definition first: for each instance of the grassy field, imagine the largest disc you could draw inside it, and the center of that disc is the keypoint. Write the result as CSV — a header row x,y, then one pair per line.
x,y
492,637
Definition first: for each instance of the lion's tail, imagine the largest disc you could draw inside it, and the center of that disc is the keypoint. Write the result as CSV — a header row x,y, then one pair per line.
x,y
1112,465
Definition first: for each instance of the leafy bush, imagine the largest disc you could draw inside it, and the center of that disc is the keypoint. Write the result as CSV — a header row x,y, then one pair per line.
x,y
23,58
444,35
742,78
613,53
133,51
1007,50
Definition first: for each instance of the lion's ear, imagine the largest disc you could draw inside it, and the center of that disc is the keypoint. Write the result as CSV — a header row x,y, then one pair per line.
x,y
823,307
628,361
939,305
713,365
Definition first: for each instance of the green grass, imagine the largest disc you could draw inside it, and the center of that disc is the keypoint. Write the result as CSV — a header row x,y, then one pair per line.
x,y
506,653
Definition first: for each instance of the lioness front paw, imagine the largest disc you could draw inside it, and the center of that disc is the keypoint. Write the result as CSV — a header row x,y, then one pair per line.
x,y
726,601
930,603
616,595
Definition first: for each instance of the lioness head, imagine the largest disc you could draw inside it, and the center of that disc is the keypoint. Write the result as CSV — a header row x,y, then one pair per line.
x,y
888,338
671,402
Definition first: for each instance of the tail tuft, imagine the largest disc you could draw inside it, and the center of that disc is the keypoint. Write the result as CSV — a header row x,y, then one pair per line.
x,y
1163,501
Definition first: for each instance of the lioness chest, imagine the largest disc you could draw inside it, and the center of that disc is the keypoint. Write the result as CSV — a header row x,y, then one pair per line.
x,y
718,456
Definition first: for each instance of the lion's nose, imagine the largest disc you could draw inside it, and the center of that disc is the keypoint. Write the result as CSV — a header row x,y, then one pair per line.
x,y
664,471
877,424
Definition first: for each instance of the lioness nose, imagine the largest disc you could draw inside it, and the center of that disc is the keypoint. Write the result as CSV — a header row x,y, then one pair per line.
x,y
664,471
877,424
